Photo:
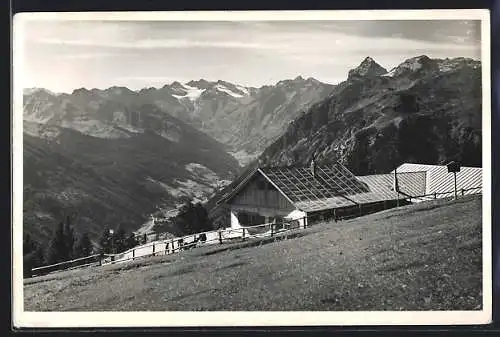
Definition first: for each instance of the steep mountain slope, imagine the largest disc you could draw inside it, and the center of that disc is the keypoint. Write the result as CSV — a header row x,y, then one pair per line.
x,y
424,110
114,165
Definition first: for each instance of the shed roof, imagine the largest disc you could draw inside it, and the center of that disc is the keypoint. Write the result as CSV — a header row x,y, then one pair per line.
x,y
439,180
410,183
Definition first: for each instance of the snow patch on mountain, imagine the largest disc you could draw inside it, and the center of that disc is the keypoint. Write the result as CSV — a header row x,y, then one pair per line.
x,y
192,93
228,91
244,90
390,73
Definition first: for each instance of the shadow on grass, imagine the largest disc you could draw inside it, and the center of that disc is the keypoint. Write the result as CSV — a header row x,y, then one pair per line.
x,y
182,271
255,242
430,205
232,265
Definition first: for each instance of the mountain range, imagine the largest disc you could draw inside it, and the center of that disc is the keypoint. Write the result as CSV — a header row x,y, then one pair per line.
x,y
245,119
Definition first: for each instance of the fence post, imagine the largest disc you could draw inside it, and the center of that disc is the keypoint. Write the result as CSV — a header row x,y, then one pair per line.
x,y
435,195
220,236
272,229
462,192
133,254
153,249
243,233
172,245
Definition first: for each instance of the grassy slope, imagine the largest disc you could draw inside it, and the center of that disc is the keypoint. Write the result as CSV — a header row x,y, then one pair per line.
x,y
420,257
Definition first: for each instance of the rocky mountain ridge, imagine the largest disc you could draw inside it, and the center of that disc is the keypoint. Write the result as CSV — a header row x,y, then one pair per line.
x,y
424,110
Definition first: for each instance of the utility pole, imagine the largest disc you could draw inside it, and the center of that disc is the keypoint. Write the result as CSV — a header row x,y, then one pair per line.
x,y
396,186
455,178
454,167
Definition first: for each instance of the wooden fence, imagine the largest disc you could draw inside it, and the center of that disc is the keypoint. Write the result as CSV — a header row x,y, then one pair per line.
x,y
440,195
88,261
174,245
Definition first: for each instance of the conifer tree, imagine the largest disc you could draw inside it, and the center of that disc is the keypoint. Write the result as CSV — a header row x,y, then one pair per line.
x,y
57,249
69,238
33,255
119,240
83,246
193,218
105,241
131,241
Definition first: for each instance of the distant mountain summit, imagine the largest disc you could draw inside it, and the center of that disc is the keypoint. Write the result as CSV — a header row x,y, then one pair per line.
x,y
367,68
200,84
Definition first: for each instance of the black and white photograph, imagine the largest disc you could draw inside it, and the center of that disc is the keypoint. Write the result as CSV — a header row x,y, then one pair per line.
x,y
253,168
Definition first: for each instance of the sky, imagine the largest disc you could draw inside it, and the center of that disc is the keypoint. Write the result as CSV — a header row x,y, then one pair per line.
x,y
65,55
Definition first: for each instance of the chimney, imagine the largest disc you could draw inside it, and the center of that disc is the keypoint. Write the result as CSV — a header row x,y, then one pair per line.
x,y
313,166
